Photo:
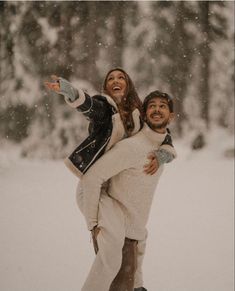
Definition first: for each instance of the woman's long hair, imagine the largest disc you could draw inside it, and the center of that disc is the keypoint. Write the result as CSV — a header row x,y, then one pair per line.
x,y
129,102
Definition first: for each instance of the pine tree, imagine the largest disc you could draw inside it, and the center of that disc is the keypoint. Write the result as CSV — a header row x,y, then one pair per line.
x,y
173,51
15,115
213,28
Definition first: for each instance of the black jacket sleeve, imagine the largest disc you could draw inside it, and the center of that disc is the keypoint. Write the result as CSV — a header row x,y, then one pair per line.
x,y
95,108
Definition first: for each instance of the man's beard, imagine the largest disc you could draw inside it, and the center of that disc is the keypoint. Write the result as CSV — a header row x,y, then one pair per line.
x,y
158,126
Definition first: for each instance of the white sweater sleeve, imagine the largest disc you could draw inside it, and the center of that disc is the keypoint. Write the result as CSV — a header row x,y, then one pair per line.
x,y
119,158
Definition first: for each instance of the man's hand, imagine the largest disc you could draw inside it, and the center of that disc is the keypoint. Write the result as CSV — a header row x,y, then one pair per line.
x,y
54,85
152,167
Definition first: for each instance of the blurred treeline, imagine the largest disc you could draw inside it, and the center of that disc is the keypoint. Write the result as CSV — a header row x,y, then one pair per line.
x,y
185,48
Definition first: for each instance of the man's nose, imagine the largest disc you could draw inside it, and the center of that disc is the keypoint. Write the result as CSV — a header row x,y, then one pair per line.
x,y
156,109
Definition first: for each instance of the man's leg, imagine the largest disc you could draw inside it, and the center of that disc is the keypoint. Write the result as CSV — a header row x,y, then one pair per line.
x,y
124,281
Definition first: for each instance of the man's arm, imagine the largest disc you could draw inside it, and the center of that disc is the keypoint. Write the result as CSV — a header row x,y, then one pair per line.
x,y
166,152
119,158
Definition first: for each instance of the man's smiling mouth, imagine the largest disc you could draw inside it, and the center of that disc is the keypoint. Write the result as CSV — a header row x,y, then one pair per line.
x,y
156,116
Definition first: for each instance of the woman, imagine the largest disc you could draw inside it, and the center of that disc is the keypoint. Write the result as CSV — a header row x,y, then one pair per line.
x,y
113,115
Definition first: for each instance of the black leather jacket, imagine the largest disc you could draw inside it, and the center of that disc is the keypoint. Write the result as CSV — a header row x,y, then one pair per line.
x,y
99,112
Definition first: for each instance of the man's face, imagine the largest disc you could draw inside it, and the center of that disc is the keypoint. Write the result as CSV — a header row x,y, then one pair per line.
x,y
158,114
116,85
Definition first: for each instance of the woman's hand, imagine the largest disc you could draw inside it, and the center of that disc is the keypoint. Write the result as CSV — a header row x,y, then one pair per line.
x,y
94,233
54,85
152,167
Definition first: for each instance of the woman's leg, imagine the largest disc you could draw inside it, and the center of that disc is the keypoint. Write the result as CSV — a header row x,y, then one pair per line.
x,y
140,257
79,196
110,243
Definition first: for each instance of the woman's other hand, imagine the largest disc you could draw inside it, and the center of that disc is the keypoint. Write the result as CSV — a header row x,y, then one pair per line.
x,y
94,233
152,167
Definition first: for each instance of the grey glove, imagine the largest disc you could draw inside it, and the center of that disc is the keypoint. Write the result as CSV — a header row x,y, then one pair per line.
x,y
163,156
66,89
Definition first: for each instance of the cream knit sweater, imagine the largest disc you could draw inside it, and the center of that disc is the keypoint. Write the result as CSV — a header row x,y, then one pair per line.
x,y
131,189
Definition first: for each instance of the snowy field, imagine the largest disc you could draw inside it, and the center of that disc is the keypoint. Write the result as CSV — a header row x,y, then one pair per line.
x,y
44,244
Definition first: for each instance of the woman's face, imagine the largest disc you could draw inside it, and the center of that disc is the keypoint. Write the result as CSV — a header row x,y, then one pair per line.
x,y
116,85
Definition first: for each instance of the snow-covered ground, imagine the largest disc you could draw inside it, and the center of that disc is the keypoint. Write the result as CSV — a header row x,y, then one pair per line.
x,y
44,244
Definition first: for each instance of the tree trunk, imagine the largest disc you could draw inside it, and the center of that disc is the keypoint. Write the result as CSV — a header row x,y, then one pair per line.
x,y
91,45
204,93
178,83
118,32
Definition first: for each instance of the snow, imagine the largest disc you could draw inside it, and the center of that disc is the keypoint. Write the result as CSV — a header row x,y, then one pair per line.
x,y
44,244
48,31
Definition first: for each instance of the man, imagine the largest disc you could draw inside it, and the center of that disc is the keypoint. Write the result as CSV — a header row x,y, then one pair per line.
x,y
118,213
